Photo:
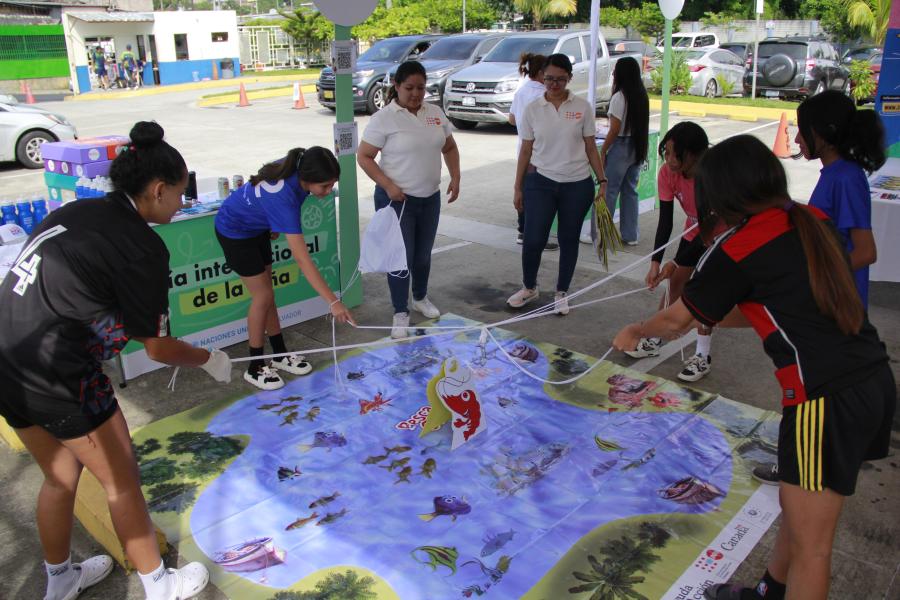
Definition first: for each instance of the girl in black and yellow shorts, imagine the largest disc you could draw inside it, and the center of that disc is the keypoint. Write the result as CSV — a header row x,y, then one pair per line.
x,y
782,266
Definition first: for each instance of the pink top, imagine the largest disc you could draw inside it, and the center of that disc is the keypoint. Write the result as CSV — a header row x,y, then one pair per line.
x,y
675,186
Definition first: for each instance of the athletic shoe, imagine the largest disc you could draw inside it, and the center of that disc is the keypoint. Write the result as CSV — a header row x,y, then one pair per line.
x,y
425,307
585,238
265,379
191,579
520,239
766,473
551,246
400,327
646,347
294,364
632,243
522,297
561,304
88,573
695,368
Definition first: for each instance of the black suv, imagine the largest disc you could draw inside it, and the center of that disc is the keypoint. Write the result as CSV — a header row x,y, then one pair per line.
x,y
797,67
371,68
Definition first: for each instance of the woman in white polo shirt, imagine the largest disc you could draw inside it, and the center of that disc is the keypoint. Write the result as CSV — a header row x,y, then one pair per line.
x,y
411,136
553,178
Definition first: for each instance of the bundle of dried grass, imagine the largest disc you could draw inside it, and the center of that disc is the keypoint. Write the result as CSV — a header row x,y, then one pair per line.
x,y
607,238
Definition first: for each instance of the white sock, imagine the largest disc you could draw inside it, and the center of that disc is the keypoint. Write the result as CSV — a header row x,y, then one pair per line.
x,y
703,344
60,579
158,583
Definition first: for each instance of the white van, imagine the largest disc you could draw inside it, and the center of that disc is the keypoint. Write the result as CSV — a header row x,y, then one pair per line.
x,y
693,40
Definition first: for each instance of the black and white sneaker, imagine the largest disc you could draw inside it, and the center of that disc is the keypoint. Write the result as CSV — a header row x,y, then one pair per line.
x,y
766,473
295,364
695,368
265,378
646,347
520,239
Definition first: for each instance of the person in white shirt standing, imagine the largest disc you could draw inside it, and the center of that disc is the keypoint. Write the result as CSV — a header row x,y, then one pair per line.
x,y
411,136
553,178
531,66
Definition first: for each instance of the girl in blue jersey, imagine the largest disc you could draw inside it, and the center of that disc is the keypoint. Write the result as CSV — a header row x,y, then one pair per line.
x,y
267,205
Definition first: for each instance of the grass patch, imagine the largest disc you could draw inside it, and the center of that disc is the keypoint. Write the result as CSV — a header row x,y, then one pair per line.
x,y
281,72
233,92
757,102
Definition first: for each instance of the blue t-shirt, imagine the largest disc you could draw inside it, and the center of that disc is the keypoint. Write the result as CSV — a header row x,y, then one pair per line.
x,y
254,209
842,193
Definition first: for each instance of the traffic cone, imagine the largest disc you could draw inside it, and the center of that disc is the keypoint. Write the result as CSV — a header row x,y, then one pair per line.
x,y
22,86
243,97
782,147
299,102
215,74
29,97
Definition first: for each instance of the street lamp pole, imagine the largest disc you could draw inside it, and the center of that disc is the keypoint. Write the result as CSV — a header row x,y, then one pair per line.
x,y
670,10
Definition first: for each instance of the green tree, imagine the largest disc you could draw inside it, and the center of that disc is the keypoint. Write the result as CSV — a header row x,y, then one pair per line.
x,y
446,15
864,85
171,497
337,586
149,446
650,22
399,20
871,16
309,29
542,9
832,16
608,580
157,470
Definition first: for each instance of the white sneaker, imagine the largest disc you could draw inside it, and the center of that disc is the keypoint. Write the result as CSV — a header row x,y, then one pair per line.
x,y
520,239
265,379
632,243
695,368
191,579
88,573
522,297
295,364
585,238
561,304
400,327
425,307
646,347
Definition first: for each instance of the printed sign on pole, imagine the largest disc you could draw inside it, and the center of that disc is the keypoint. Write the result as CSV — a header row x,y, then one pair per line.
x,y
346,138
343,57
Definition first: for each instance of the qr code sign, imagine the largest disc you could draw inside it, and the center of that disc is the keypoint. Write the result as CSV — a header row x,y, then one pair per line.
x,y
344,59
345,138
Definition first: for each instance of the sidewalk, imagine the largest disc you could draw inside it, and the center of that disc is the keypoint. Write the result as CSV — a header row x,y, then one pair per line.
x,y
737,113
124,94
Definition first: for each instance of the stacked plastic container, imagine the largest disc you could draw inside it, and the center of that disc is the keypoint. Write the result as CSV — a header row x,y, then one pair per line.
x,y
78,169
24,212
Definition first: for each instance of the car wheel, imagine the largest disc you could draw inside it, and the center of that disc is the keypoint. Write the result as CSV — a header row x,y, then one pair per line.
x,y
820,87
28,148
376,99
712,89
460,124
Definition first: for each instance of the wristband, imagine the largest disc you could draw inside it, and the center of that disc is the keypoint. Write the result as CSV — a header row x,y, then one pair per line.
x,y
336,300
603,180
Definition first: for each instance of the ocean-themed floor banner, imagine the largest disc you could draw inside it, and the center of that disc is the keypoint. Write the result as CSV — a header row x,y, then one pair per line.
x,y
620,485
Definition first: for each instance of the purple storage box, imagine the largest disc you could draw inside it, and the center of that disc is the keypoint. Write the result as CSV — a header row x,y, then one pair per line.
x,y
59,167
91,170
84,151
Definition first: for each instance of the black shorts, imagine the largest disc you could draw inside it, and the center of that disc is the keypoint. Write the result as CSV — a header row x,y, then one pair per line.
x,y
823,442
249,256
63,419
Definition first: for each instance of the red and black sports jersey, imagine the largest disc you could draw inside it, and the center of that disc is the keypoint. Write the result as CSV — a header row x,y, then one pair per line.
x,y
90,276
759,266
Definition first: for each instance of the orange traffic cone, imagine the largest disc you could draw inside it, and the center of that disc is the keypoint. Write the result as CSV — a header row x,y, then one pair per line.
x,y
22,86
243,97
215,73
299,102
29,97
782,147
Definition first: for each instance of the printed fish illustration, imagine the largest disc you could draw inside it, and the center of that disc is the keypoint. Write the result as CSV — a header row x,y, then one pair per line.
x,y
285,409
403,475
301,522
374,459
474,589
690,490
438,556
397,449
449,506
288,473
647,457
400,462
494,543
524,352
324,500
289,420
354,375
603,467
312,414
268,406
332,517
292,399
607,445
428,467
325,439
375,404
496,573
505,402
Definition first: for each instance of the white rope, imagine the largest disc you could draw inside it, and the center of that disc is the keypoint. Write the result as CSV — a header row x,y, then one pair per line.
x,y
171,385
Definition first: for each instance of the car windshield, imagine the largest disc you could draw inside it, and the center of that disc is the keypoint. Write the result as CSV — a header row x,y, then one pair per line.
x,y
693,54
736,48
859,54
451,49
386,51
511,49
682,42
795,51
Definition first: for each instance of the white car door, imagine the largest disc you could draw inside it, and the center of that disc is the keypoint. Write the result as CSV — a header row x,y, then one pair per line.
x,y
572,48
10,125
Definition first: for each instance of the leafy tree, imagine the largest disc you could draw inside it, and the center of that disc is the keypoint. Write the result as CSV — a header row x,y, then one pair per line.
x,y
832,17
680,74
204,446
607,580
337,586
649,21
310,29
383,23
446,15
171,497
864,85
157,470
871,16
653,534
504,9
149,446
541,9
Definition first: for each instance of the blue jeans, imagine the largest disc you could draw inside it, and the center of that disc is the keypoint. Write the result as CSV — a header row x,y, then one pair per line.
x,y
419,225
545,199
623,173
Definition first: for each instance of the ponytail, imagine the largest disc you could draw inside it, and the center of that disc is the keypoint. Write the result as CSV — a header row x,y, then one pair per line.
x,y
405,70
531,64
315,165
864,142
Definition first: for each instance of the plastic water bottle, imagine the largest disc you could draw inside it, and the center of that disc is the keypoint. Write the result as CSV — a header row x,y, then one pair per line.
x,y
26,217
8,213
39,207
81,188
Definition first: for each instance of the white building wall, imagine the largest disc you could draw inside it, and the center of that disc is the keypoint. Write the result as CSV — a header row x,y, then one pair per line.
x,y
199,27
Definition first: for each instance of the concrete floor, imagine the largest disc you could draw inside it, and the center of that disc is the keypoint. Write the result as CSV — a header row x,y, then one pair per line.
x,y
477,269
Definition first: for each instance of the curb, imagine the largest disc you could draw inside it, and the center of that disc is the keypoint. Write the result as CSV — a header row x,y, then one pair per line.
x,y
750,114
258,95
182,87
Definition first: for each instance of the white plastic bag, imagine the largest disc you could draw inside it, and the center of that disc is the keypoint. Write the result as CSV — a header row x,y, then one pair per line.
x,y
383,249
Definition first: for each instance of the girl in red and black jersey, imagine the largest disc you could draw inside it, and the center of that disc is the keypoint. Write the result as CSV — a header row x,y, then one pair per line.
x,y
783,267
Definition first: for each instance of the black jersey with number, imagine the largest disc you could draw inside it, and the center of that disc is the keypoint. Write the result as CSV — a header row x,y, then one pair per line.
x,y
90,276
761,268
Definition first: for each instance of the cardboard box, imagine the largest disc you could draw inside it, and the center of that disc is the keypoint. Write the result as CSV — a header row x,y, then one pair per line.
x,y
66,182
86,150
91,170
58,196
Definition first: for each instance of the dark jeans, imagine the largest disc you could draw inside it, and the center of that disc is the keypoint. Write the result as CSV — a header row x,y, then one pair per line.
x,y
419,225
544,199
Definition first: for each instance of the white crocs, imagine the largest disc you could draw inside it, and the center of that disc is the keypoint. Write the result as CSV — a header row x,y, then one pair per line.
x,y
90,572
190,580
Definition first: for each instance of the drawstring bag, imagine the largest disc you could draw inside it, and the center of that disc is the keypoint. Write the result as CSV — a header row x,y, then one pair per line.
x,y
383,249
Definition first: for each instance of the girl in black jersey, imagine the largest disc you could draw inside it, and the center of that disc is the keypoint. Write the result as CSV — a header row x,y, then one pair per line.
x,y
783,266
92,276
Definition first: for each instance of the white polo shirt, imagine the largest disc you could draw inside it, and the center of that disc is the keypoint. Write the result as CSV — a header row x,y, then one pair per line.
x,y
527,93
558,135
410,146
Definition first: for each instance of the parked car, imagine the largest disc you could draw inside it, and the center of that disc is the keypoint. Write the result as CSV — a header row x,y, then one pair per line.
x,y
744,51
693,39
23,128
447,56
860,53
796,68
709,66
482,93
646,51
371,67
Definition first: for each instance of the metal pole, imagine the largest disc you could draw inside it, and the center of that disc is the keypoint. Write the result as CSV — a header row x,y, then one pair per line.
x,y
464,16
667,78
755,55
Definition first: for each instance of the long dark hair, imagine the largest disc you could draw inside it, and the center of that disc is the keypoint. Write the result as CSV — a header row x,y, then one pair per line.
x,y
687,138
315,165
147,158
627,79
858,135
531,64
740,177
404,71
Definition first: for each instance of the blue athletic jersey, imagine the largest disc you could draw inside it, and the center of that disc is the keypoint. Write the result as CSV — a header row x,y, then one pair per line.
x,y
254,209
